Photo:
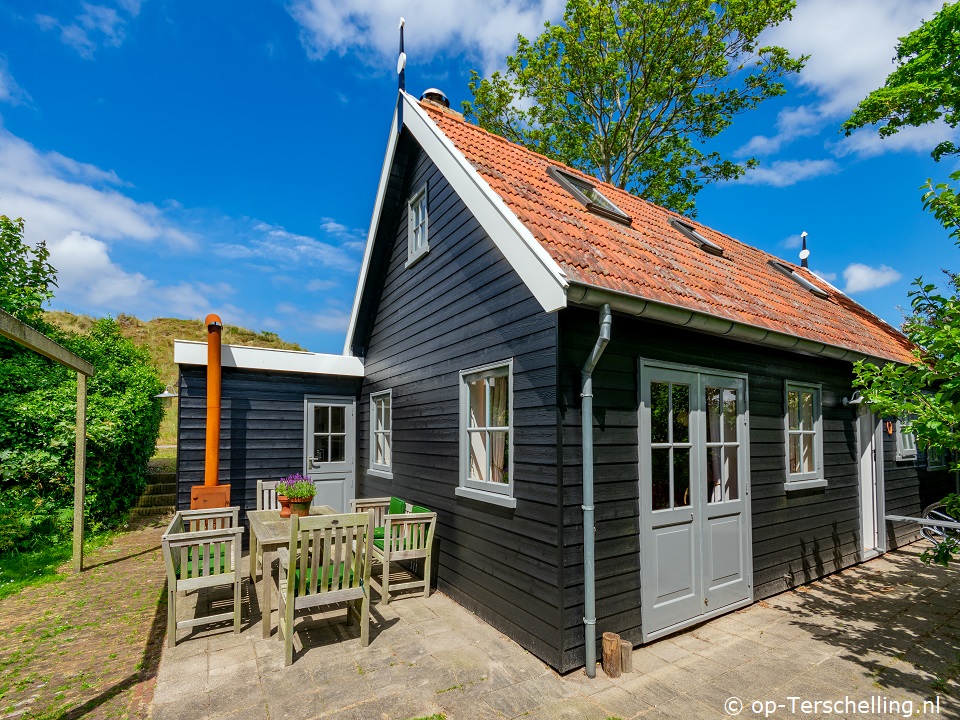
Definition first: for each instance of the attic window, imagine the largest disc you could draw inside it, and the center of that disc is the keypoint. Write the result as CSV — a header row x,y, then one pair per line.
x,y
589,195
799,279
688,230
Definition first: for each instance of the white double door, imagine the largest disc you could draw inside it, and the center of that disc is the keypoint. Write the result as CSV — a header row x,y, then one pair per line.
x,y
694,497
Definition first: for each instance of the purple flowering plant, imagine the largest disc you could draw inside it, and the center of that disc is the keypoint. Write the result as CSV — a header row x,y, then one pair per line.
x,y
296,487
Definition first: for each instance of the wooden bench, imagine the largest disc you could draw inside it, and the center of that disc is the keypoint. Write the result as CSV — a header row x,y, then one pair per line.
x,y
403,532
201,548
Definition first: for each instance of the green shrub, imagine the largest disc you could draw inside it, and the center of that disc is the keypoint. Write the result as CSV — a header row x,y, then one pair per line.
x,y
38,402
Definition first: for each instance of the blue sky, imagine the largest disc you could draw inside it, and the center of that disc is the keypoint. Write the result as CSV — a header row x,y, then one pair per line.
x,y
223,156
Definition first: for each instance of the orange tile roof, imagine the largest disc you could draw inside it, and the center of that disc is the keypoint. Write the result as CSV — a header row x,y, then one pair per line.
x,y
651,260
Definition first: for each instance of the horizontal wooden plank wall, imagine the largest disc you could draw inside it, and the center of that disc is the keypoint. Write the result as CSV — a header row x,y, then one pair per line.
x,y
261,427
796,537
462,306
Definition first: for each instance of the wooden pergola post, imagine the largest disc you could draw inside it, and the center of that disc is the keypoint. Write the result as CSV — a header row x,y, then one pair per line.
x,y
25,335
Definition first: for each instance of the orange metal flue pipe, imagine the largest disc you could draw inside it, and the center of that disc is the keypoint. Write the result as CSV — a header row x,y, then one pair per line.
x,y
211,468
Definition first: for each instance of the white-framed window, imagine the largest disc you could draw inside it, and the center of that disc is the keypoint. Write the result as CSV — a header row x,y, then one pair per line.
x,y
417,226
906,442
381,431
936,458
486,433
803,427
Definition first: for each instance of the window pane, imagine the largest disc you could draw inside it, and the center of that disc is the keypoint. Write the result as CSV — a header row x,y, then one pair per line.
x,y
793,409
659,412
338,448
386,414
386,449
731,486
320,449
499,460
379,451
660,473
806,411
338,421
499,405
681,413
730,415
713,415
478,455
681,477
714,474
794,454
478,403
806,458
321,419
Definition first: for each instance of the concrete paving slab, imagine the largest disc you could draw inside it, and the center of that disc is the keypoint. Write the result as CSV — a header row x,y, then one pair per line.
x,y
887,628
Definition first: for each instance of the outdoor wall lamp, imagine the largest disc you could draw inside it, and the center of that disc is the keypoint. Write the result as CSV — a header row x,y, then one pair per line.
x,y
166,397
855,400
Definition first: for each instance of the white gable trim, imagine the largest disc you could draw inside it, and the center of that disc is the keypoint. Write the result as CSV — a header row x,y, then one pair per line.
x,y
539,272
189,352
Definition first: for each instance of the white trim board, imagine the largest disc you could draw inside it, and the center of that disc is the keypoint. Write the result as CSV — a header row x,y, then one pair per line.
x,y
539,272
190,352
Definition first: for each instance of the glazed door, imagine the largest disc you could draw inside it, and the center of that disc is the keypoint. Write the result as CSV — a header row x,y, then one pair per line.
x,y
330,446
695,520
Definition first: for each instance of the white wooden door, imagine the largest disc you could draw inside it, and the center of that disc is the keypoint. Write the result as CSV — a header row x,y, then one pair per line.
x,y
694,496
330,449
871,483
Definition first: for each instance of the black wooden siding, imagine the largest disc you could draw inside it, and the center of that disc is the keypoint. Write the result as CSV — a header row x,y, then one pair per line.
x,y
261,427
462,306
796,537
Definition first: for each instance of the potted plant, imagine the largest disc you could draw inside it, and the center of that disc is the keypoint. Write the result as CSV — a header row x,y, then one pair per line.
x,y
295,493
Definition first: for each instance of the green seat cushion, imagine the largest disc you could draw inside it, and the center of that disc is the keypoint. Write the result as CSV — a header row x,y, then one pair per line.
x,y
342,565
211,562
397,506
378,533
420,509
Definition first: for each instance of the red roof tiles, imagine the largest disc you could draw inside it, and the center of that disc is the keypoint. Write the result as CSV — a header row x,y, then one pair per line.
x,y
652,260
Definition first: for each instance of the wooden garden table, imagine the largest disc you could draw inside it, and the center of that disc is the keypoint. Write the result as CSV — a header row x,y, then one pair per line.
x,y
271,533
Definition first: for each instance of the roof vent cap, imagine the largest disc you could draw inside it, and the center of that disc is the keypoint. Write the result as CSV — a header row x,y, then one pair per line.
x,y
435,96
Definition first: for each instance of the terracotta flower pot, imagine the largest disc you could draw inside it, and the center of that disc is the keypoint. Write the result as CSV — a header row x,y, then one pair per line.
x,y
300,506
284,505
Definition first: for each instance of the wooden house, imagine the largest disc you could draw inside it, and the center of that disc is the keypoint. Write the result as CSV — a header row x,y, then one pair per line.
x,y
499,294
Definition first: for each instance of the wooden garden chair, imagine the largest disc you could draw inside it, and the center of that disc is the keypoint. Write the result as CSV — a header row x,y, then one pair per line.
x,y
201,548
266,500
326,563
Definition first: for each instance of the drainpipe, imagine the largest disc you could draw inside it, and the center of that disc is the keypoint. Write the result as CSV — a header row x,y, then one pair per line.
x,y
586,413
210,470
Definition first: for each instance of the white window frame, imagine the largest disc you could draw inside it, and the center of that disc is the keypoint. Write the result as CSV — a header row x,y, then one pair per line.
x,y
814,479
495,493
906,443
415,253
376,468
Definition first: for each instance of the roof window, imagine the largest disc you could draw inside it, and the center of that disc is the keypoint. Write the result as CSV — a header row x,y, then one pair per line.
x,y
687,229
589,195
799,279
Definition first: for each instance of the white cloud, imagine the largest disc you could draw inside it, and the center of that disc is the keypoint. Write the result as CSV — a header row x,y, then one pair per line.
x,y
861,278
318,285
828,276
331,320
485,29
866,142
95,27
792,241
10,91
784,173
281,247
851,45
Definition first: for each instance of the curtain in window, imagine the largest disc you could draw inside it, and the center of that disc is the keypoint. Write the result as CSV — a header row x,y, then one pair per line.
x,y
499,417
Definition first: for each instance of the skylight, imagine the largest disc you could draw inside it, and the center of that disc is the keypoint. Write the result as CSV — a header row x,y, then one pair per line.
x,y
589,195
799,279
688,230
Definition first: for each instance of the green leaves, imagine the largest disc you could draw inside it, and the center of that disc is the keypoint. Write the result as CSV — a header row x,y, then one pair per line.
x,y
631,90
26,278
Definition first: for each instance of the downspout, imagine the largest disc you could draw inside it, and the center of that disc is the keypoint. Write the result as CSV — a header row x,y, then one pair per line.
x,y
586,416
212,465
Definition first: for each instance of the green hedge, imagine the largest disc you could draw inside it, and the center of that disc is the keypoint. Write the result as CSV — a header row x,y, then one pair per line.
x,y
38,404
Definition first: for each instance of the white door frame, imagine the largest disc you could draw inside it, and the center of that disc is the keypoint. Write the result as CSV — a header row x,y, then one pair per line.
x,y
870,483
344,472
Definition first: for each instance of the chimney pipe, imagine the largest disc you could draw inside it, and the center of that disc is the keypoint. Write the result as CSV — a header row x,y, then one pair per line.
x,y
804,253
211,468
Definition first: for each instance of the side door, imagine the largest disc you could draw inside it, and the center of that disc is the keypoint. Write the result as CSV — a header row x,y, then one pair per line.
x,y
670,498
727,555
330,449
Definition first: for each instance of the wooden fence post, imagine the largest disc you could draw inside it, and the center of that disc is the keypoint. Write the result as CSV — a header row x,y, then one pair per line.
x,y
80,472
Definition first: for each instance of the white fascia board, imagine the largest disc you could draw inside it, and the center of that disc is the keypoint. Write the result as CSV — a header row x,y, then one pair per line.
x,y
539,272
190,352
371,233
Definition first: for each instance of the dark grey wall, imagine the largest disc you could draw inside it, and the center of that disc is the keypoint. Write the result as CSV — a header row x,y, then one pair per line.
x,y
463,306
261,427
796,537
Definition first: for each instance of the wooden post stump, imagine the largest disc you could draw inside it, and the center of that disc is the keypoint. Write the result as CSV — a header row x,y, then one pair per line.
x,y
626,656
611,654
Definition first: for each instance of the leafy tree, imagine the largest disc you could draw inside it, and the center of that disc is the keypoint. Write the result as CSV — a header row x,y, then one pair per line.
x,y
924,88
630,90
26,278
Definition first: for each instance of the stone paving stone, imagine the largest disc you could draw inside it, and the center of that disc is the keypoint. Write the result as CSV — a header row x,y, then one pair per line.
x,y
618,702
668,650
512,701
575,708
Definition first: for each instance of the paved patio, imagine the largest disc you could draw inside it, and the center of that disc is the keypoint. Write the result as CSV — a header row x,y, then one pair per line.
x,y
881,633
